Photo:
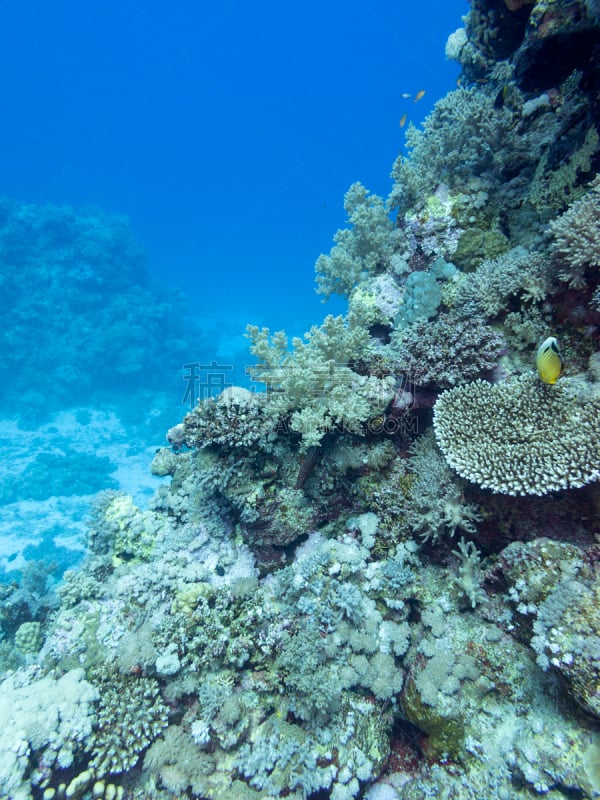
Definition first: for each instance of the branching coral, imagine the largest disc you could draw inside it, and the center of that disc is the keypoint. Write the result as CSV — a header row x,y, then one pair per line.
x,y
236,419
131,715
315,384
516,275
464,137
520,437
447,351
359,250
576,239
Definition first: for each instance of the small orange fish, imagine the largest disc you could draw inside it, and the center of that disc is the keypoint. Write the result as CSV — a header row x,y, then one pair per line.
x,y
403,119
419,95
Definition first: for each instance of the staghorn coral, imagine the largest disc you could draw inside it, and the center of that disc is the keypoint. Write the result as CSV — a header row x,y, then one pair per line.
x,y
519,437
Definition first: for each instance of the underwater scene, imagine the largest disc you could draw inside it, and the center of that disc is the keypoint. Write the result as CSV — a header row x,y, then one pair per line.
x,y
352,556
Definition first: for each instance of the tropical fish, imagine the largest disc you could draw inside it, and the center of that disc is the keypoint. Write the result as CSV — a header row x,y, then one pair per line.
x,y
419,95
406,95
403,119
501,97
549,361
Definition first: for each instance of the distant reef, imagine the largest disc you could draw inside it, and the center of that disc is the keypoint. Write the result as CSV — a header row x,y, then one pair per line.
x,y
82,318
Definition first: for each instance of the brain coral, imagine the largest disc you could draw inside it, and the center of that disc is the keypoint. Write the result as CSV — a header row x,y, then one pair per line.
x,y
520,437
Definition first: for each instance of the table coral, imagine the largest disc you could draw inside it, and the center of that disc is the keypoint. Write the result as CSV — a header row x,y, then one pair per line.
x,y
519,437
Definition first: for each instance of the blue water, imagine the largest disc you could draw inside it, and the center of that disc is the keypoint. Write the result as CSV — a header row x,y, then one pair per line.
x,y
228,135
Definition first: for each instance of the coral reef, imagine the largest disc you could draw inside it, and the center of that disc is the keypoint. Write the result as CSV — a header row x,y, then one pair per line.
x,y
378,577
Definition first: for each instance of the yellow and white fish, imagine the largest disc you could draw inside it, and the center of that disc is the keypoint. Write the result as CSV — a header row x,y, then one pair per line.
x,y
549,361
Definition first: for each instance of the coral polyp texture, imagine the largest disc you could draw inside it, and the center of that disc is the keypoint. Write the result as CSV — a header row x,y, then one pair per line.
x,y
576,239
519,437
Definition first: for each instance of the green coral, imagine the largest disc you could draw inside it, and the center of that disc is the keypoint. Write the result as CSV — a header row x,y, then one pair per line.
x,y
134,533
549,187
29,638
476,244
359,251
315,384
